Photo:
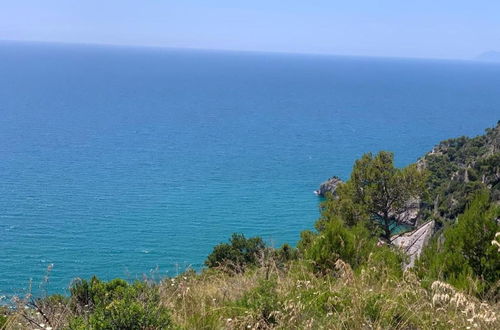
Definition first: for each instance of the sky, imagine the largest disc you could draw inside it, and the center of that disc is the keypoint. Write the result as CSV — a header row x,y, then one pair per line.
x,y
458,29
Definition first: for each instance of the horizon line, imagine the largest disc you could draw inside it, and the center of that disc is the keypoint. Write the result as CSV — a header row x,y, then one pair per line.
x,y
102,44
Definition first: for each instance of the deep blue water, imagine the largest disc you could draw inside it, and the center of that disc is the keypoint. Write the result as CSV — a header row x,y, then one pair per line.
x,y
118,161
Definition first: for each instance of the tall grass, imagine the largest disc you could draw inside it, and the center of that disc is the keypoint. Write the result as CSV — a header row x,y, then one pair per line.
x,y
295,296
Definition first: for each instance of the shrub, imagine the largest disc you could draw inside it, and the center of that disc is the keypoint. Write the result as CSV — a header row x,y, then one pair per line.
x,y
466,258
117,305
126,314
238,253
285,254
337,241
306,239
86,295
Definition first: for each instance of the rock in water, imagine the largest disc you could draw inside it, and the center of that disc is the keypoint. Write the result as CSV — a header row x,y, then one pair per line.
x,y
330,186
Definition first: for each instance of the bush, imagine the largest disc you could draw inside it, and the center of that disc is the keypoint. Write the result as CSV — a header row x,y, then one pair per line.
x,y
337,241
307,238
117,305
125,314
239,253
285,254
86,295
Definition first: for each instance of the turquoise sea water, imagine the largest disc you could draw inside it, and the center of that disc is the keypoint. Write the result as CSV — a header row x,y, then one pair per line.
x,y
121,161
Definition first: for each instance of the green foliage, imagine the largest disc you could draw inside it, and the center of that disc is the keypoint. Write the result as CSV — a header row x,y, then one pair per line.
x,y
117,305
383,190
55,299
384,262
459,168
238,253
373,307
306,239
123,314
86,295
343,206
466,258
377,190
3,317
338,241
286,253
262,301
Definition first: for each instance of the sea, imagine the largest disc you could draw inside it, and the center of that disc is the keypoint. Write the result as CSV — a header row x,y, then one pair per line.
x,y
134,162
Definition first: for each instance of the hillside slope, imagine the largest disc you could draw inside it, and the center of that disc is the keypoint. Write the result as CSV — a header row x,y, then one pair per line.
x,y
458,168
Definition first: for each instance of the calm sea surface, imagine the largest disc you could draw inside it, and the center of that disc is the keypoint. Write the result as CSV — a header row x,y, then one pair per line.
x,y
118,161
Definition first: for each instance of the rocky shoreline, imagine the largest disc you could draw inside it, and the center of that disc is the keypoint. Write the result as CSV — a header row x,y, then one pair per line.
x,y
329,186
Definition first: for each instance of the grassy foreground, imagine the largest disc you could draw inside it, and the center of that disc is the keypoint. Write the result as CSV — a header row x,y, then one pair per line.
x,y
270,296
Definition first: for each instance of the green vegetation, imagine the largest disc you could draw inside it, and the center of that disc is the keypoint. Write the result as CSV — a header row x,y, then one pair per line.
x,y
344,275
377,191
466,258
116,305
113,305
458,169
241,253
3,317
238,254
339,242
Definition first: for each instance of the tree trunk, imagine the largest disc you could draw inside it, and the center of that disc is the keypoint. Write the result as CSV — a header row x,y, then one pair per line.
x,y
387,229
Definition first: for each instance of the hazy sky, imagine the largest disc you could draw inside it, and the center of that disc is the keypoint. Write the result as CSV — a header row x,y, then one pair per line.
x,y
420,28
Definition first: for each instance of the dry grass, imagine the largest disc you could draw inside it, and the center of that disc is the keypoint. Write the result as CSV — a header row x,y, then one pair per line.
x,y
270,297
300,299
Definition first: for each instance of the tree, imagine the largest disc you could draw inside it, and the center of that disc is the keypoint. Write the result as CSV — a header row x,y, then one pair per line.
x,y
380,191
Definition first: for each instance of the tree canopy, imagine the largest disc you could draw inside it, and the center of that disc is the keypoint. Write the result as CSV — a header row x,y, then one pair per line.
x,y
377,191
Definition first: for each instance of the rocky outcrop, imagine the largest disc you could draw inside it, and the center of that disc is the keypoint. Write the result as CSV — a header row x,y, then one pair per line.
x,y
411,215
413,242
329,186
